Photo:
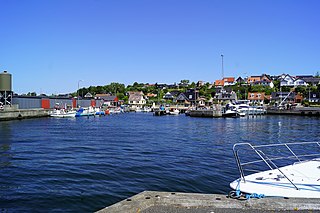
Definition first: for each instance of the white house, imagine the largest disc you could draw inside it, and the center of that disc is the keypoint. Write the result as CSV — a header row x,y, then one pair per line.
x,y
136,99
287,80
300,82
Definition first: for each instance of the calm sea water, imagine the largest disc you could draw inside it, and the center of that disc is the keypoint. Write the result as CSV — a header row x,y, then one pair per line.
x,y
83,165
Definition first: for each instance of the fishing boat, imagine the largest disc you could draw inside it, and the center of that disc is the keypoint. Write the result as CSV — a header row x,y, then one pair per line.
x,y
61,113
277,170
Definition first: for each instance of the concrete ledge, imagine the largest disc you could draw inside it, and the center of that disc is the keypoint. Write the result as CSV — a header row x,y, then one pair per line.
x,y
205,113
153,201
13,114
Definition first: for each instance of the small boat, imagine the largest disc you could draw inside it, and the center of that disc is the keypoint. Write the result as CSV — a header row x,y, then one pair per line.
x,y
277,170
99,112
146,109
174,112
159,111
85,112
117,110
61,113
138,109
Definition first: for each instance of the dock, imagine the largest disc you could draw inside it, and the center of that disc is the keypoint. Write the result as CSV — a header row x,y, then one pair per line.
x,y
305,111
206,113
14,113
176,202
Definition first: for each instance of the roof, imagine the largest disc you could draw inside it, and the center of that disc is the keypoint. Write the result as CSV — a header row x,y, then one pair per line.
x,y
228,79
219,83
88,95
182,97
135,96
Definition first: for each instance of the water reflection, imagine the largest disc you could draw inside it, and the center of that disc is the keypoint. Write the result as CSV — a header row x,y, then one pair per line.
x,y
5,145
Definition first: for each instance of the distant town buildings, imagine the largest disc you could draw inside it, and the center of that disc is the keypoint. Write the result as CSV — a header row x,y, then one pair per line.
x,y
257,89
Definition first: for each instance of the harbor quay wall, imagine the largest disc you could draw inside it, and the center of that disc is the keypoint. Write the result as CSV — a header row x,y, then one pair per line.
x,y
17,114
306,111
174,202
205,113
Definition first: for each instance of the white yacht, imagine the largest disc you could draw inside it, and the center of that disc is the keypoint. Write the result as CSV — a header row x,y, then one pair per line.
x,y
230,110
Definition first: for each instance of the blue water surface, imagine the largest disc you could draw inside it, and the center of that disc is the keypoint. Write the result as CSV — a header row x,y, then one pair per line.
x,y
85,164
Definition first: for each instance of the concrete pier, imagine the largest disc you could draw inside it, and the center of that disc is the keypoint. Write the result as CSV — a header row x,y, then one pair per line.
x,y
13,113
206,113
307,111
174,202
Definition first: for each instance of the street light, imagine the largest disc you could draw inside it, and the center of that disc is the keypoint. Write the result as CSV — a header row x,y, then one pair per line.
x,y
78,92
222,66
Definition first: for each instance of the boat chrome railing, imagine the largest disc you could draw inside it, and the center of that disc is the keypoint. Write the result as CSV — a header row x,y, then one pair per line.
x,y
270,160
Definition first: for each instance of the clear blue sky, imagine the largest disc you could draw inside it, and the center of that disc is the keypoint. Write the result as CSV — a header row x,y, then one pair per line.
x,y
49,45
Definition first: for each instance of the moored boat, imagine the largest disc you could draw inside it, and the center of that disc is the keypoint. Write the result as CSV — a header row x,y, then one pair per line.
x,y
230,111
85,112
100,112
278,170
62,113
174,112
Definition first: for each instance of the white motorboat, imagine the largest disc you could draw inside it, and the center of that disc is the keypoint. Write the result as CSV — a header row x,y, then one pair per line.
x,y
230,111
61,113
245,109
85,112
278,170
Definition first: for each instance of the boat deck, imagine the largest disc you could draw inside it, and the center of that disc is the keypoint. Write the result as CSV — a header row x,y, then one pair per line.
x,y
301,180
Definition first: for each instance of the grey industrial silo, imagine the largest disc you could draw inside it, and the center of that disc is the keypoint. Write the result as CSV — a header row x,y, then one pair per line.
x,y
5,88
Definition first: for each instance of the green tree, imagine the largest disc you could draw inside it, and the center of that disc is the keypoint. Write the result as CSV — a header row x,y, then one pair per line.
x,y
32,94
276,84
185,81
192,85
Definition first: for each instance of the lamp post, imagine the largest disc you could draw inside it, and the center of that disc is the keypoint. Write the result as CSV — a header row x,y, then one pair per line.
x,y
222,66
309,96
78,92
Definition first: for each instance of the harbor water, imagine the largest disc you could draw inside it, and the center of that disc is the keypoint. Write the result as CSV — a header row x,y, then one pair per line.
x,y
85,164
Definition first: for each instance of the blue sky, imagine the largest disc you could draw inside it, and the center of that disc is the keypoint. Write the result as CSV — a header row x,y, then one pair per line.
x,y
49,45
